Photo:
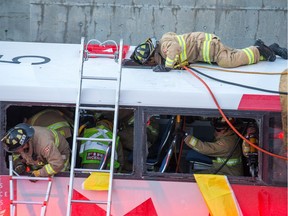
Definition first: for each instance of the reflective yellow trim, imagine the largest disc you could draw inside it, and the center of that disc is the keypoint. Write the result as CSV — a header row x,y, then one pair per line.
x,y
56,142
35,117
193,141
182,43
49,169
230,162
152,130
250,55
58,125
15,156
66,165
169,62
206,48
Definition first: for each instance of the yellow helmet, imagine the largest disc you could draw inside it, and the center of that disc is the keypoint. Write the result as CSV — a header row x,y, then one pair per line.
x,y
144,51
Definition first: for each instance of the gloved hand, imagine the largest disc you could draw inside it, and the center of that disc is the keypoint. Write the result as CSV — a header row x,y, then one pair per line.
x,y
161,68
20,168
35,173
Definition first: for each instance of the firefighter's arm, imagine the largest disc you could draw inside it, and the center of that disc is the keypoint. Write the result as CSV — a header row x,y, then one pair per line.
x,y
55,161
172,51
213,149
18,164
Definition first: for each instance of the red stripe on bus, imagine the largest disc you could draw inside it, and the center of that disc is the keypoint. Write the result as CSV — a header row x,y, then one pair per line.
x,y
260,102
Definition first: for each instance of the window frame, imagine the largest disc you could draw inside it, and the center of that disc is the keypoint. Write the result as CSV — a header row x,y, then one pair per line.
x,y
141,114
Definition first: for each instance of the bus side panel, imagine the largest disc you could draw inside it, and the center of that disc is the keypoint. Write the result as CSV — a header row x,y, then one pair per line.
x,y
261,200
4,196
129,196
134,197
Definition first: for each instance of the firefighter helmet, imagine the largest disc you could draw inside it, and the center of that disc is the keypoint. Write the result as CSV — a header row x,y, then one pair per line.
x,y
220,123
144,51
16,137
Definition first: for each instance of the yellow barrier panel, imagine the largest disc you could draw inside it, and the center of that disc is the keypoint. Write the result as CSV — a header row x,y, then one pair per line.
x,y
96,181
218,195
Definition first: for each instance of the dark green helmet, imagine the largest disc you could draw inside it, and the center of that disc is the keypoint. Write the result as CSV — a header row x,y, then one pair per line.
x,y
144,51
16,137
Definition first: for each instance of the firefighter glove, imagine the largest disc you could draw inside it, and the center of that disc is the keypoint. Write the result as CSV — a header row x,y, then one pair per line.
x,y
20,168
161,68
35,173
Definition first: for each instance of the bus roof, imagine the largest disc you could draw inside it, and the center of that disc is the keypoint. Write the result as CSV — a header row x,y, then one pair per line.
x,y
54,76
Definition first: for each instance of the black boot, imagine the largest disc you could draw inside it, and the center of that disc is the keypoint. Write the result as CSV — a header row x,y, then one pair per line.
x,y
282,52
265,51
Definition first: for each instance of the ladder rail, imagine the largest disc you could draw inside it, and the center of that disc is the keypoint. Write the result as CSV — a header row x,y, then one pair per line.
x,y
77,138
75,132
88,54
115,130
14,202
12,207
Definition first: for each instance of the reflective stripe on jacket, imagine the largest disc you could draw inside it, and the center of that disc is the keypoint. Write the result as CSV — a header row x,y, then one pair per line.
x,y
92,152
230,162
52,119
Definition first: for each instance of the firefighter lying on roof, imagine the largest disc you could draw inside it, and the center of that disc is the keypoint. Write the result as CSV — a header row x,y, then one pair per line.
x,y
182,50
44,149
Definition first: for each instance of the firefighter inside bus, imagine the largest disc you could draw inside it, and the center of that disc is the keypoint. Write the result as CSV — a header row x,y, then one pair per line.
x,y
224,154
96,154
44,151
50,118
126,133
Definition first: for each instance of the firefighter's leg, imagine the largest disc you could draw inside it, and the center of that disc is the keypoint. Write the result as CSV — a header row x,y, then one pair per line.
x,y
228,57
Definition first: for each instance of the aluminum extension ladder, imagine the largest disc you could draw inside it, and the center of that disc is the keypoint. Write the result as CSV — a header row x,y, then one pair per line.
x,y
114,108
14,202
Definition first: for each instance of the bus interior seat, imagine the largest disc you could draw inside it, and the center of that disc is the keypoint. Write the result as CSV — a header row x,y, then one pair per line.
x,y
196,162
165,140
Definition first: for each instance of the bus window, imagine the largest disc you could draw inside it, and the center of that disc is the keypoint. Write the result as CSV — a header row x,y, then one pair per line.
x,y
100,125
89,121
171,154
126,135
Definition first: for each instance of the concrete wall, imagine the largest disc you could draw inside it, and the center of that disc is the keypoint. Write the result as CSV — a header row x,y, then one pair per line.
x,y
237,23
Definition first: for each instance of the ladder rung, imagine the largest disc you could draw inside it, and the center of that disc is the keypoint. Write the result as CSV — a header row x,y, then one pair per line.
x,y
100,55
31,178
27,202
89,201
99,78
90,170
94,139
98,108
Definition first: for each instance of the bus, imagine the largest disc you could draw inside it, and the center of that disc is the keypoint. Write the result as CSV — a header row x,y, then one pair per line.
x,y
158,179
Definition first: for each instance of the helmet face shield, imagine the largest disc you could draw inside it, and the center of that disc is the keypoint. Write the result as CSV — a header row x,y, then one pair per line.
x,y
17,137
144,51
